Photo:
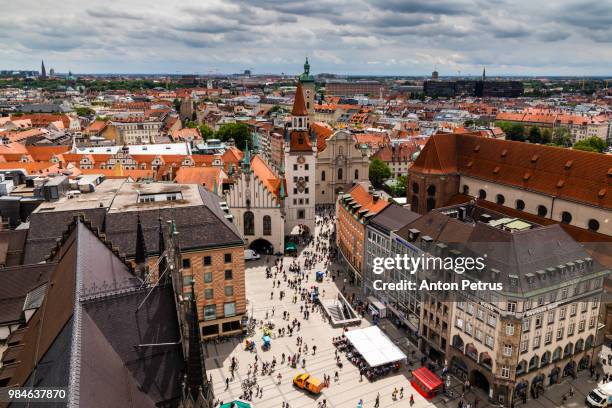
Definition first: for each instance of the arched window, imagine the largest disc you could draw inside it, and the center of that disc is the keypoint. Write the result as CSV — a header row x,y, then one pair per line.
x,y
482,194
566,217
466,189
431,203
249,223
593,225
267,225
520,205
431,190
323,175
339,174
500,199
356,174
542,211
415,188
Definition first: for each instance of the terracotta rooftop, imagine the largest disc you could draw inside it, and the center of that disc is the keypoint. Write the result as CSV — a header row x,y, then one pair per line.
x,y
264,173
569,174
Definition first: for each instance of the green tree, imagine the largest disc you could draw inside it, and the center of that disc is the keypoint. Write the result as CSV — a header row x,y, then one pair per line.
x,y
237,131
535,135
378,172
546,136
206,132
562,137
592,144
399,188
84,111
513,131
191,124
177,104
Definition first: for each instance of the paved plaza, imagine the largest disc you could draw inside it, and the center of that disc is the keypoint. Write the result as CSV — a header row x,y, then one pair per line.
x,y
349,389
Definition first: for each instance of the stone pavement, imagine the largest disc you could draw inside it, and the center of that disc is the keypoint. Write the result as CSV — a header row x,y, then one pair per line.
x,y
349,389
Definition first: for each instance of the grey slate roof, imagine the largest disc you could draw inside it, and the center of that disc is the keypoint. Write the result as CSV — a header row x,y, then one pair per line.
x,y
393,217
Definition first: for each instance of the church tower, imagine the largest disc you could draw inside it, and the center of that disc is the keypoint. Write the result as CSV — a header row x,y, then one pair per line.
x,y
308,86
300,162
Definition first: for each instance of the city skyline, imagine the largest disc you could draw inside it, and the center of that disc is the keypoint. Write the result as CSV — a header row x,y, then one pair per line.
x,y
348,38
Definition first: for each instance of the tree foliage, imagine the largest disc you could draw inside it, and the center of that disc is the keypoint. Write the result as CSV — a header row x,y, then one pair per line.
x,y
562,137
237,131
513,131
378,172
592,144
84,111
206,132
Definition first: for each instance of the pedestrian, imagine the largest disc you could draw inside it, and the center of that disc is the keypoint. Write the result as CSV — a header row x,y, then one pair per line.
x,y
314,350
227,381
411,399
377,402
402,393
336,376
279,377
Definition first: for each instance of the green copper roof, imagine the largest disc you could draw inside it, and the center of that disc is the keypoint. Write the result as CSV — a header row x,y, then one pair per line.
x,y
306,77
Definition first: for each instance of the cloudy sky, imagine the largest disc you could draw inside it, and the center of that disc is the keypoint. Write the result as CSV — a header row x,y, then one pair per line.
x,y
406,37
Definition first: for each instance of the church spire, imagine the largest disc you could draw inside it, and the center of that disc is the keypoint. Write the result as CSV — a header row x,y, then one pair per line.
x,y
306,67
484,75
43,70
246,160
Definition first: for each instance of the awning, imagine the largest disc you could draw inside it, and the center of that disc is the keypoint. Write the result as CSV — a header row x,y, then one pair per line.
x,y
375,347
238,404
290,246
427,378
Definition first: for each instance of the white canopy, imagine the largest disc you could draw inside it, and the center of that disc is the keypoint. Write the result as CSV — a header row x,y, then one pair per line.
x,y
375,347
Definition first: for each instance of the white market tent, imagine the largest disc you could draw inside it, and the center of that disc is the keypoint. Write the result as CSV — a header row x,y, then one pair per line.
x,y
375,347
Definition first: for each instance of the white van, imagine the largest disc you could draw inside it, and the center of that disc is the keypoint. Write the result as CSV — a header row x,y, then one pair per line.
x,y
600,397
250,255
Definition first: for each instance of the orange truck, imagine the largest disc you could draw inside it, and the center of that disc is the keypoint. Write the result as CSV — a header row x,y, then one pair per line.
x,y
307,382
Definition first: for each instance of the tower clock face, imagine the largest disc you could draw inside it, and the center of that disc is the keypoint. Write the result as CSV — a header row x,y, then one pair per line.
x,y
301,159
301,184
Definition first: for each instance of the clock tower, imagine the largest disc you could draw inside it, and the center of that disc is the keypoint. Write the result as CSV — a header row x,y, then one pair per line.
x,y
300,162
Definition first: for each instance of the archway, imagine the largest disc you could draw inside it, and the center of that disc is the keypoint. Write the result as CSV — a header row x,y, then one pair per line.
x,y
545,359
478,379
521,367
579,346
486,361
262,246
520,391
553,377
537,386
458,343
459,367
584,363
570,369
589,342
471,351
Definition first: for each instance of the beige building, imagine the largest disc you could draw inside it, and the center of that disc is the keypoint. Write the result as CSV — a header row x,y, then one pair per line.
x,y
341,163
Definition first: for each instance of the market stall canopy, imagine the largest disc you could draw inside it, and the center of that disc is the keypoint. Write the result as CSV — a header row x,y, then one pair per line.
x,y
290,246
238,404
375,347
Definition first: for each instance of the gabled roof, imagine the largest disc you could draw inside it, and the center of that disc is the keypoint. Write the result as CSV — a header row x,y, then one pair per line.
x,y
264,173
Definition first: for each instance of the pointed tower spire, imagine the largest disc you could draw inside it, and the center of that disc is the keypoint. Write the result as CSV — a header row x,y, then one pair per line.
x,y
246,160
282,189
306,67
484,74
299,105
43,70
141,251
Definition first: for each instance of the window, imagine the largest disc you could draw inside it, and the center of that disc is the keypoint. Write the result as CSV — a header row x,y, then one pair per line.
x,y
566,217
538,321
267,225
489,341
229,291
228,274
536,340
525,324
551,317
570,328
492,321
295,167
306,190
301,214
478,335
509,329
227,258
562,313
229,309
210,312
461,305
415,188
508,350
524,345
520,205
482,194
560,333
500,199
548,337
593,225
207,261
466,189
581,325
356,174
542,211
306,166
468,328
208,293
431,190
564,293
187,279
459,322
208,277
249,223
511,307
573,309
505,372
339,174
592,321
470,308
323,175
186,263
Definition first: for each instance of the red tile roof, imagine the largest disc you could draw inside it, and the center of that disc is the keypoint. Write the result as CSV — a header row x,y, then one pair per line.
x,y
299,106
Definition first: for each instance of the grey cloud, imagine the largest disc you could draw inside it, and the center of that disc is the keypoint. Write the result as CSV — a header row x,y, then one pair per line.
x,y
108,13
445,7
552,36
